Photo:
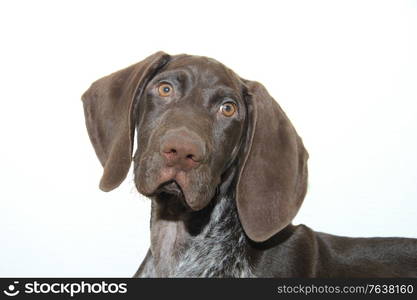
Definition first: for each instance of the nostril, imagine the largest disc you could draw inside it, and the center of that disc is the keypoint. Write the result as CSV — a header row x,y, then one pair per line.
x,y
170,151
193,158
170,154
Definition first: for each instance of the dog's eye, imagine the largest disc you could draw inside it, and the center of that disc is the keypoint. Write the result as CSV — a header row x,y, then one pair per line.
x,y
165,89
228,109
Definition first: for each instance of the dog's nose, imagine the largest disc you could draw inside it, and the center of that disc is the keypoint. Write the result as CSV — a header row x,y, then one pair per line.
x,y
182,148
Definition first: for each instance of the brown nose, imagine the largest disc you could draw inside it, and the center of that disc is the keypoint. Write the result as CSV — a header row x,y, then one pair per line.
x,y
182,148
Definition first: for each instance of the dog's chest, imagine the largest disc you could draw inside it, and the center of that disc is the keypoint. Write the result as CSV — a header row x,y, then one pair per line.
x,y
219,250
215,254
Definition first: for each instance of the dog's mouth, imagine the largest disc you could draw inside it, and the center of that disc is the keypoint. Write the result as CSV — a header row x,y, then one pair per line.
x,y
171,196
170,187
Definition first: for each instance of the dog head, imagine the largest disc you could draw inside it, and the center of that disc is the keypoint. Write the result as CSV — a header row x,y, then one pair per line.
x,y
201,129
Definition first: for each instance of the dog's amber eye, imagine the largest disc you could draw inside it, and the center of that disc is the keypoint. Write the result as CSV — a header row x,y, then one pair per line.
x,y
165,89
228,109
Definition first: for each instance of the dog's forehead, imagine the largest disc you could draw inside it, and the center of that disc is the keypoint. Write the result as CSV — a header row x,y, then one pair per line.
x,y
203,69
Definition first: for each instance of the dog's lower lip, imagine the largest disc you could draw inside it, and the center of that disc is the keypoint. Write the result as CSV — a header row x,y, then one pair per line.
x,y
171,187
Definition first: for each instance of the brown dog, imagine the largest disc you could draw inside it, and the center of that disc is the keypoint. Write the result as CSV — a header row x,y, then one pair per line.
x,y
226,172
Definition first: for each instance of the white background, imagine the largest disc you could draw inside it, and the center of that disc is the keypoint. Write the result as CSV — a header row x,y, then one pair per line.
x,y
344,71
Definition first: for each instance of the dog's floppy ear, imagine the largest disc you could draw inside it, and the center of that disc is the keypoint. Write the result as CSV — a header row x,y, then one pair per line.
x,y
272,178
108,110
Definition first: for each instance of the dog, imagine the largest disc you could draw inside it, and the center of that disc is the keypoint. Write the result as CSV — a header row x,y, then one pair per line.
x,y
226,173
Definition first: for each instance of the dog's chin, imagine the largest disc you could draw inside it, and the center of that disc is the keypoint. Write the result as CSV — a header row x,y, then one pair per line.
x,y
171,188
171,192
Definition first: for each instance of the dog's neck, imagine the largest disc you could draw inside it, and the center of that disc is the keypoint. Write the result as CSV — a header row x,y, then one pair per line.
x,y
207,243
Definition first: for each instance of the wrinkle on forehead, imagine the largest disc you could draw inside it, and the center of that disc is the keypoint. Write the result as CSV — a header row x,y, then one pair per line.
x,y
206,71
